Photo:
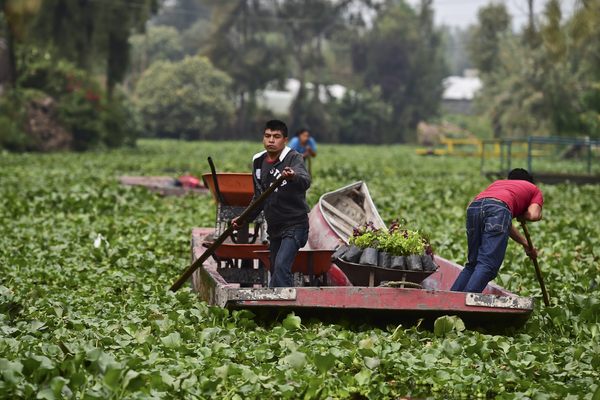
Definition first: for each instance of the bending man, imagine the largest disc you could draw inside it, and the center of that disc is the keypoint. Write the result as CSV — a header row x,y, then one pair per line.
x,y
489,225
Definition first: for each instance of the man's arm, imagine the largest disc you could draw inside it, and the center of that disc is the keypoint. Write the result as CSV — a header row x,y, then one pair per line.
x,y
300,176
533,213
517,237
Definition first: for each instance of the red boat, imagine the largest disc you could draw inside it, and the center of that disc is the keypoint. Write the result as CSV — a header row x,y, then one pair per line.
x,y
321,291
166,185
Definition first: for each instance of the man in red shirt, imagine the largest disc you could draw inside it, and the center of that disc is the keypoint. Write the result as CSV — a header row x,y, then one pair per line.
x,y
489,225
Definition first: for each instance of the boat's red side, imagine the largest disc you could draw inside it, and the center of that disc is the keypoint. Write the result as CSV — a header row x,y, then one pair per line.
x,y
497,307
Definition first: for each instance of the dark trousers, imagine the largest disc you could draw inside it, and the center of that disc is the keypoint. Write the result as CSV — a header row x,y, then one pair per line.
x,y
283,252
488,227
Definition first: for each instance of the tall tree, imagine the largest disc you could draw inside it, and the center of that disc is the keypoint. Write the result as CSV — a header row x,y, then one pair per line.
x,y
88,31
402,54
16,15
243,45
484,47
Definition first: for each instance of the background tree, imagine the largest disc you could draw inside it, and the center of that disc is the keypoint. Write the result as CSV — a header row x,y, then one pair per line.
x,y
92,34
484,46
157,43
189,99
402,54
15,21
244,45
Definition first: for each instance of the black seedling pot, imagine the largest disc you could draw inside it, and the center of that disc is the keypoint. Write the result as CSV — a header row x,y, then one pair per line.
x,y
353,254
385,259
339,252
398,262
369,256
414,262
428,263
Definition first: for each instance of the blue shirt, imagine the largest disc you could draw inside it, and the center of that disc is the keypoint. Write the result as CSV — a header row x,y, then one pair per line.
x,y
295,144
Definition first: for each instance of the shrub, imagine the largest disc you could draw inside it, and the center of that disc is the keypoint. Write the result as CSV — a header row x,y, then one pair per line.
x,y
80,108
189,99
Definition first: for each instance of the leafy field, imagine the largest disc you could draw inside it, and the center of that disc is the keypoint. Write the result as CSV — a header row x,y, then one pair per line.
x,y
85,311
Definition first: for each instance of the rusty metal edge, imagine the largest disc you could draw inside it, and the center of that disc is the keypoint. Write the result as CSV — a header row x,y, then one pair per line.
x,y
494,301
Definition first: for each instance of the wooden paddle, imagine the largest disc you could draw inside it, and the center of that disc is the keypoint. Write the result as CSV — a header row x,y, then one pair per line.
x,y
538,271
241,219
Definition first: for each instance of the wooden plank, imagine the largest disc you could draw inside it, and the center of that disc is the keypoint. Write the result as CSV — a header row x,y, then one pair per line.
x,y
340,214
344,228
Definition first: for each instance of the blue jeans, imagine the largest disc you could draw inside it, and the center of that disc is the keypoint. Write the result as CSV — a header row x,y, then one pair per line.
x,y
283,252
488,227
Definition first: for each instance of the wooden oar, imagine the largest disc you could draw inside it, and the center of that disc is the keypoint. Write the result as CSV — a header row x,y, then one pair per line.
x,y
241,220
538,271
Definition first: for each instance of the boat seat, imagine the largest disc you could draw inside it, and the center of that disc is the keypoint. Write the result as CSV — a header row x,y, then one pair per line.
x,y
310,262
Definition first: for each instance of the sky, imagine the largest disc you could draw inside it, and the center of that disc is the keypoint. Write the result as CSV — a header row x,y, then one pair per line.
x,y
462,13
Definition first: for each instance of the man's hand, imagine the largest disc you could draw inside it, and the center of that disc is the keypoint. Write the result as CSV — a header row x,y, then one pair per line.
x,y
236,223
531,251
288,173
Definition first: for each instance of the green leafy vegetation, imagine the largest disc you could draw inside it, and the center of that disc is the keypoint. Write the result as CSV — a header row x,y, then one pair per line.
x,y
85,267
186,99
396,241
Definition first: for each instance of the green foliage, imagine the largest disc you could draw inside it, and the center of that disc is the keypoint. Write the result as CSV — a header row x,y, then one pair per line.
x,y
484,44
362,117
402,55
85,310
12,119
86,33
543,83
402,243
158,43
82,107
187,99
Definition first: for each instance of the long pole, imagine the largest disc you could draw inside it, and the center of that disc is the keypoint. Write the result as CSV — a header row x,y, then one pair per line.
x,y
538,271
242,218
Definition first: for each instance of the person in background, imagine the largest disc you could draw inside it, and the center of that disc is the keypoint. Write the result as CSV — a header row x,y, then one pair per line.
x,y
286,210
304,144
489,225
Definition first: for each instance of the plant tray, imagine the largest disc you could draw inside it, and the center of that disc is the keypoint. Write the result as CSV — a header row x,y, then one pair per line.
x,y
370,275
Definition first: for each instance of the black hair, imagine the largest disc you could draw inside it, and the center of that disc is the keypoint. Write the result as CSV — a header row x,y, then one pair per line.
x,y
276,125
520,174
301,131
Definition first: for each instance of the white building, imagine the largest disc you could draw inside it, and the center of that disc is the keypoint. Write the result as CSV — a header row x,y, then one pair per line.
x,y
280,101
459,92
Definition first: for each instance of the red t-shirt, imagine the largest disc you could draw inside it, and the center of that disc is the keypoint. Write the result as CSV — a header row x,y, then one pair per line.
x,y
517,194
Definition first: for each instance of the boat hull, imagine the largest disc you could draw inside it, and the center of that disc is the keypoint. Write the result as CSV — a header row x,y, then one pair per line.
x,y
497,309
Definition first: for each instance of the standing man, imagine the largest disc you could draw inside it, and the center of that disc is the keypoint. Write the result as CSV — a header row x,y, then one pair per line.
x,y
286,210
489,225
304,144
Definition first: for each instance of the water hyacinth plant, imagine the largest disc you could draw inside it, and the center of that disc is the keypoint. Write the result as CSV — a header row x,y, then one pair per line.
x,y
397,241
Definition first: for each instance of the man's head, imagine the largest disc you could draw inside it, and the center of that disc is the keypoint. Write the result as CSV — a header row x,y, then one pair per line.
x,y
521,175
303,135
275,136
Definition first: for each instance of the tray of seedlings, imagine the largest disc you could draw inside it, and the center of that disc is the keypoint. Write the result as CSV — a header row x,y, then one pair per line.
x,y
376,257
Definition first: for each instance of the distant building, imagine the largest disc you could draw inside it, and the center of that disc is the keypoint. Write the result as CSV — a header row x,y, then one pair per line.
x,y
459,92
280,101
